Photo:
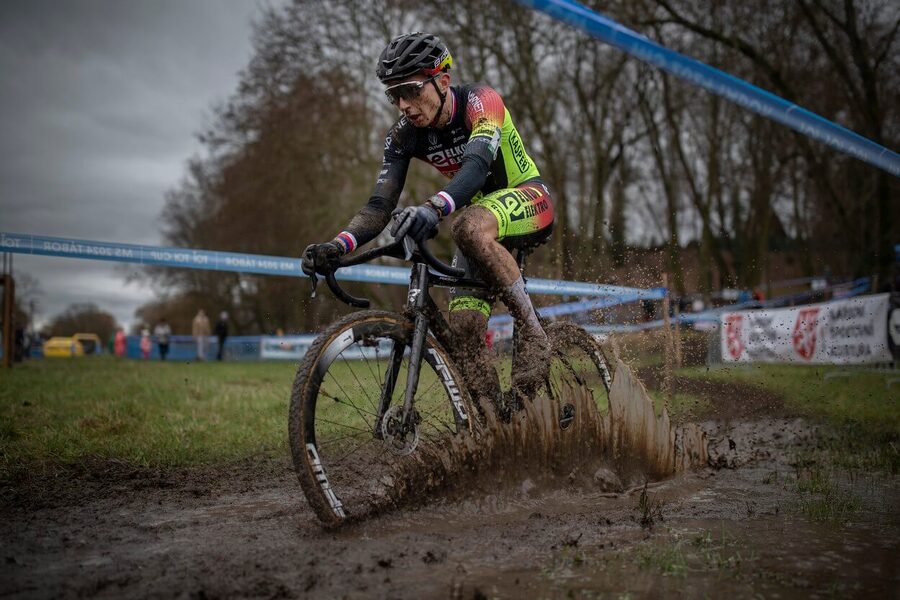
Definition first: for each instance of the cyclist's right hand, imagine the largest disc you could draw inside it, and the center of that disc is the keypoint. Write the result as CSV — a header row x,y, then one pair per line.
x,y
321,258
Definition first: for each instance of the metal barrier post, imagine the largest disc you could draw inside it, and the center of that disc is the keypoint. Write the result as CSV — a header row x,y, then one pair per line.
x,y
8,296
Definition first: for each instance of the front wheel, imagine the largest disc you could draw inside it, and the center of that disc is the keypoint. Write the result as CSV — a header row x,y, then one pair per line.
x,y
348,440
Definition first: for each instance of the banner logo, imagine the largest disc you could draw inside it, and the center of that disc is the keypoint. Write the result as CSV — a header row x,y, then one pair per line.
x,y
734,328
804,336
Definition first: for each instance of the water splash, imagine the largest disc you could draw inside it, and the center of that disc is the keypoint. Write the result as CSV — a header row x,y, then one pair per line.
x,y
630,440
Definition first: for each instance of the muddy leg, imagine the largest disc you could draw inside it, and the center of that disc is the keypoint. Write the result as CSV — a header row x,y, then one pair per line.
x,y
470,353
475,232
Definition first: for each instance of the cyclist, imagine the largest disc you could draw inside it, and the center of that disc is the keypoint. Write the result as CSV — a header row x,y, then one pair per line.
x,y
466,132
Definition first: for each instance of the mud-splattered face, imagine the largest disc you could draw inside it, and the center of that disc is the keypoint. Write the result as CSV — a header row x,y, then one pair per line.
x,y
420,104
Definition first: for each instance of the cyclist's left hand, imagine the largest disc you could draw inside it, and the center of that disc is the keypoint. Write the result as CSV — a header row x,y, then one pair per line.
x,y
415,221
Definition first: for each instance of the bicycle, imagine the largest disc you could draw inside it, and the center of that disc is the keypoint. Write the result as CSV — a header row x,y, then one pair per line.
x,y
348,438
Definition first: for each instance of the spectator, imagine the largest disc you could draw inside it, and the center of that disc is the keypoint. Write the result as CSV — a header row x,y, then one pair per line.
x,y
146,344
200,331
162,331
222,333
119,342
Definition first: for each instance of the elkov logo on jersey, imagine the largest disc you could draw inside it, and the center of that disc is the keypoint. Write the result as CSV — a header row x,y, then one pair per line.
x,y
804,336
734,329
448,157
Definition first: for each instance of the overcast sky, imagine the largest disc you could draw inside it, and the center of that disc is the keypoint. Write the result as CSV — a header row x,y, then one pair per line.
x,y
100,102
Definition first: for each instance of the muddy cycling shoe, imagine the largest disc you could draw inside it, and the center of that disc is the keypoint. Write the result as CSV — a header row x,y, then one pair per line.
x,y
532,362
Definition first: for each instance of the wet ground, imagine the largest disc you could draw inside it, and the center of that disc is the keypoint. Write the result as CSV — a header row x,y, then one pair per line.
x,y
741,529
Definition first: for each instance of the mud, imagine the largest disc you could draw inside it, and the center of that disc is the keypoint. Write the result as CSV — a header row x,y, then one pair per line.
x,y
568,525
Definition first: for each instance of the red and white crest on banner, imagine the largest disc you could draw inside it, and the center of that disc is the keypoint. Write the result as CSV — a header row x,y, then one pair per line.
x,y
804,336
734,327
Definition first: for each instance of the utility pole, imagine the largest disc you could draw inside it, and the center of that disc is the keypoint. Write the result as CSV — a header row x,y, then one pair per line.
x,y
8,296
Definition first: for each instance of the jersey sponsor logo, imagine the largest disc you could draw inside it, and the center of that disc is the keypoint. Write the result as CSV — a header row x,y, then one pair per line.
x,y
522,160
484,128
475,102
432,138
524,204
447,157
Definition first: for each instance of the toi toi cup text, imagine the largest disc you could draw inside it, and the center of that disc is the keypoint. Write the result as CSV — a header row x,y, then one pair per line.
x,y
179,257
10,242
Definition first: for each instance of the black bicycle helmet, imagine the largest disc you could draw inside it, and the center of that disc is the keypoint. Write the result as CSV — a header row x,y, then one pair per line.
x,y
413,53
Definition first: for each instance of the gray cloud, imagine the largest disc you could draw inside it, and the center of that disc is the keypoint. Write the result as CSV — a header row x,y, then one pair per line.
x,y
99,107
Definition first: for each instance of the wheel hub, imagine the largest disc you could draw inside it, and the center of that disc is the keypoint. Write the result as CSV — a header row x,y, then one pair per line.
x,y
401,438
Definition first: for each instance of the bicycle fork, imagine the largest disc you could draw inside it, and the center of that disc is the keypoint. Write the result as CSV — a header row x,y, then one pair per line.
x,y
416,301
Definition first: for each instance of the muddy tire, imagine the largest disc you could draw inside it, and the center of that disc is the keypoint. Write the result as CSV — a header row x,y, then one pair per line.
x,y
577,360
345,465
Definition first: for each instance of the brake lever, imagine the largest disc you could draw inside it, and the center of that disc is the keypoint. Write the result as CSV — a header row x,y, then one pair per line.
x,y
313,282
409,246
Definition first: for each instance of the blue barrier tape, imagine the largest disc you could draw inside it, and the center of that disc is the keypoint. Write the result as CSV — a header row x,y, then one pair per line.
x,y
718,82
571,308
259,263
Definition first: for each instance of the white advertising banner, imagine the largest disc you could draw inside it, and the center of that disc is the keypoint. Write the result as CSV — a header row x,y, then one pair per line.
x,y
853,331
285,347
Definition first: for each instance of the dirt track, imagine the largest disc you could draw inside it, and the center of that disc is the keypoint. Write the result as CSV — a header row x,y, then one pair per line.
x,y
245,530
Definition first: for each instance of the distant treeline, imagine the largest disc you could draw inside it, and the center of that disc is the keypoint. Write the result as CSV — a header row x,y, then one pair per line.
x,y
635,157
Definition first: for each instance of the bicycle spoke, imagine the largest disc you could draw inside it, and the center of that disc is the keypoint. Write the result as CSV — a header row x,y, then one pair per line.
x,y
333,440
344,425
356,408
361,386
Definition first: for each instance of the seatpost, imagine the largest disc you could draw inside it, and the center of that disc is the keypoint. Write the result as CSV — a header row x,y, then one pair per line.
x,y
521,258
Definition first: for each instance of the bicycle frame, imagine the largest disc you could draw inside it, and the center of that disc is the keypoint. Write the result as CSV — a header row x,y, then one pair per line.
x,y
421,309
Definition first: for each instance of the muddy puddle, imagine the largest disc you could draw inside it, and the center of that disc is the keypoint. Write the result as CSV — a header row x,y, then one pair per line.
x,y
717,509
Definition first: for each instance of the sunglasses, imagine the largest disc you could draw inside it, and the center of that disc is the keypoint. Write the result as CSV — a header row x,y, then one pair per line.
x,y
408,91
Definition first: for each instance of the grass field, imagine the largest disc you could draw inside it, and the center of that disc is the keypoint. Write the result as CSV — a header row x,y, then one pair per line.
x,y
862,400
148,413
59,412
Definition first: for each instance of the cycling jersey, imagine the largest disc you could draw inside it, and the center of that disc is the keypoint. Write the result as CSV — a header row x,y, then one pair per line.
x,y
479,149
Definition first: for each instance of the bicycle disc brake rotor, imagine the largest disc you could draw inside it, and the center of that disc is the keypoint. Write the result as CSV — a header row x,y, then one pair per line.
x,y
401,440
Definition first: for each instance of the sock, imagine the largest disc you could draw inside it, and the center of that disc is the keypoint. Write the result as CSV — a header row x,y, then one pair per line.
x,y
519,304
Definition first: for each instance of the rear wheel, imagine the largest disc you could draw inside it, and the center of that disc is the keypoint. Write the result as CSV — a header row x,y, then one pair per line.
x,y
347,440
577,364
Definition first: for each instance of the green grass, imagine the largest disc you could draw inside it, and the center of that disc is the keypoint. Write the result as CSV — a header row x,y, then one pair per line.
x,y
861,415
682,552
862,399
820,498
147,413
682,407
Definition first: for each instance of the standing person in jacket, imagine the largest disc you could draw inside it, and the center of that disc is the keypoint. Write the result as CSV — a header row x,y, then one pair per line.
x,y
222,333
163,333
200,330
119,342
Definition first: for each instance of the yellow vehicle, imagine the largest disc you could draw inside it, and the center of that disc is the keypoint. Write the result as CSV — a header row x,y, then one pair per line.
x,y
67,347
89,341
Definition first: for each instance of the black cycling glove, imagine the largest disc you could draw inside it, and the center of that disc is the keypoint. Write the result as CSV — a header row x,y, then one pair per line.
x,y
321,258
